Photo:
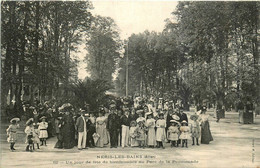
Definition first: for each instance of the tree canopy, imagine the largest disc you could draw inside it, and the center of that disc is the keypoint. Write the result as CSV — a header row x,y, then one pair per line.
x,y
103,45
209,54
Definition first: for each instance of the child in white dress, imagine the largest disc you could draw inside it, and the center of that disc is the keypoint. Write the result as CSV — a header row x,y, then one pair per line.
x,y
195,129
173,133
133,134
160,132
29,130
184,129
140,131
36,139
43,130
11,132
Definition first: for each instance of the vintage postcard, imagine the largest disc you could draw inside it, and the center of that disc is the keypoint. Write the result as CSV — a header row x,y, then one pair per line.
x,y
132,84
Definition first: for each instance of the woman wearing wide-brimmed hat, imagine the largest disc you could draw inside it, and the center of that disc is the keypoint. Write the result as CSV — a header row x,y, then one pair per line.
x,y
140,114
101,130
68,127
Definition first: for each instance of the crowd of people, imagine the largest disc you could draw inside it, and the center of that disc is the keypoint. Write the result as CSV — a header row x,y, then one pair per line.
x,y
124,122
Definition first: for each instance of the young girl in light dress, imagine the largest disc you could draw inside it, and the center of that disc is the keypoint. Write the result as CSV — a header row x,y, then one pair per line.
x,y
12,132
133,134
140,131
195,129
173,133
29,130
184,129
43,130
36,139
160,131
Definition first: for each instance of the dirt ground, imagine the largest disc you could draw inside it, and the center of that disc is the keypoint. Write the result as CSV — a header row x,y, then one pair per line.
x,y
234,145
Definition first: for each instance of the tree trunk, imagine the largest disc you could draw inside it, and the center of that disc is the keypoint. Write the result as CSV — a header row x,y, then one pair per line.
x,y
21,64
7,76
255,24
36,43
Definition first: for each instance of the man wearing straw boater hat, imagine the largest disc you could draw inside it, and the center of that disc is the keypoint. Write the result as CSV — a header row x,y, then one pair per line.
x,y
113,126
81,127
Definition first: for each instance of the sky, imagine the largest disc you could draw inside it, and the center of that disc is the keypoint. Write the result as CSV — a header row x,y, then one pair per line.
x,y
134,16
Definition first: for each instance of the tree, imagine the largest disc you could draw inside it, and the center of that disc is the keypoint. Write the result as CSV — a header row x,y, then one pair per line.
x,y
103,46
213,38
37,41
89,91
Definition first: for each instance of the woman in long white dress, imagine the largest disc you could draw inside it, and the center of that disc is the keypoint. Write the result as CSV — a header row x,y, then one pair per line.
x,y
150,123
101,130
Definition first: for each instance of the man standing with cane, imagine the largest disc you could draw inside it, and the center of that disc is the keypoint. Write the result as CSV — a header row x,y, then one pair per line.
x,y
81,127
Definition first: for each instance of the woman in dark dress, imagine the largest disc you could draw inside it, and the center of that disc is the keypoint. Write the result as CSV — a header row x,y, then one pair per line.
x,y
206,136
68,131
65,128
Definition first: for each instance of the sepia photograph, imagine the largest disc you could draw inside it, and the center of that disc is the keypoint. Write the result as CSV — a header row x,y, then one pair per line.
x,y
130,83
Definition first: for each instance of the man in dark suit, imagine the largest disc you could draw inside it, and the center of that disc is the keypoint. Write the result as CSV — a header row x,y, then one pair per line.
x,y
81,127
183,116
113,126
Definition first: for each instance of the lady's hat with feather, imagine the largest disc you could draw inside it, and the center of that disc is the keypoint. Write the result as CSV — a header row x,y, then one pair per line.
x,y
14,120
29,122
194,117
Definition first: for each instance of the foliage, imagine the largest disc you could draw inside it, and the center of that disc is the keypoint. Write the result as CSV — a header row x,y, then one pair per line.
x,y
210,54
90,91
38,38
103,45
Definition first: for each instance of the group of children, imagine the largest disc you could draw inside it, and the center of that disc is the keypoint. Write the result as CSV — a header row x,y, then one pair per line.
x,y
152,133
35,133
